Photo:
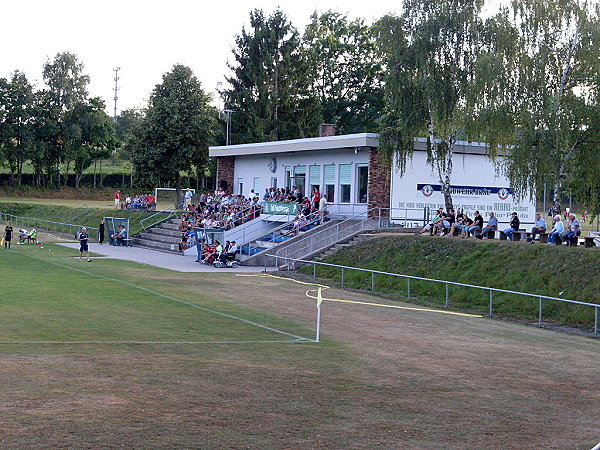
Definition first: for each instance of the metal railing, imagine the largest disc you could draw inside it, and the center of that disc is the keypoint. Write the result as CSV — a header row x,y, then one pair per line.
x,y
44,225
170,214
491,290
372,219
275,232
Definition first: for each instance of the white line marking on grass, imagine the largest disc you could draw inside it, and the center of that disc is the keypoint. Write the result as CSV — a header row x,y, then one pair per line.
x,y
193,305
285,341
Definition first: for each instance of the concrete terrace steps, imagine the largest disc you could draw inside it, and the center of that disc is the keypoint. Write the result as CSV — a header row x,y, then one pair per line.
x,y
156,245
361,237
164,237
160,238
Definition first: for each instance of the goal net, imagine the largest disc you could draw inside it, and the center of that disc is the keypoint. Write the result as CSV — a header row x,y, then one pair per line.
x,y
165,197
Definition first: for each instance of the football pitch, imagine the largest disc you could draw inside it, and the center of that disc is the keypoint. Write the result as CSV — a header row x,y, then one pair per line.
x,y
112,353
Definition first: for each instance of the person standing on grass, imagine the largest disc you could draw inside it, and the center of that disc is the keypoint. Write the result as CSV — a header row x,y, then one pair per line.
x,y
101,231
8,232
117,199
83,244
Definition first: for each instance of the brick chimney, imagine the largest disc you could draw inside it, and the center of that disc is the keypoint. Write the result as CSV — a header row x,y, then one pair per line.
x,y
326,129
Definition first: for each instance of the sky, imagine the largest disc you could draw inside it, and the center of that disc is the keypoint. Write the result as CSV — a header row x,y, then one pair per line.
x,y
144,38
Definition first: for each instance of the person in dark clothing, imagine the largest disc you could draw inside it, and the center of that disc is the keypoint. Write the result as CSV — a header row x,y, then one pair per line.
x,y
8,232
101,231
515,223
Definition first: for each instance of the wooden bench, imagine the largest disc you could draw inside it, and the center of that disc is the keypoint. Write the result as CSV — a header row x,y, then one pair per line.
x,y
588,241
543,237
519,235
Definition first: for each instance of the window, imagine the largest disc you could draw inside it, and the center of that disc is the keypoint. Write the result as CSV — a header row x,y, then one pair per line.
x,y
240,186
274,182
300,179
256,185
345,181
329,181
314,178
363,183
288,177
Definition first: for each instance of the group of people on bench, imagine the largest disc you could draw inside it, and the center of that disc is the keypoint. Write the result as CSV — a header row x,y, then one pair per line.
x,y
449,224
561,233
211,253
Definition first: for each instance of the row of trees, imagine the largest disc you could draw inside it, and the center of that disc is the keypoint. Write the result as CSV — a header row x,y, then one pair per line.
x,y
527,77
59,129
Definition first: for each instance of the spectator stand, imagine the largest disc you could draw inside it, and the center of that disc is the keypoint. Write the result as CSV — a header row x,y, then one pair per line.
x,y
112,227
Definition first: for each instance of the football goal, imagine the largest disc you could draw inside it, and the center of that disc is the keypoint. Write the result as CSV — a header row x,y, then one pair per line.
x,y
165,198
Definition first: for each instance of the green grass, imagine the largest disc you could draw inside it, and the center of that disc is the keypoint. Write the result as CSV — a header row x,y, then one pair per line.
x,y
107,168
50,296
565,272
68,212
380,378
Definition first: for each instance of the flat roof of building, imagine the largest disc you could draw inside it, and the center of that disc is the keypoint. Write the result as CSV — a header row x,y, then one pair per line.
x,y
349,141
345,141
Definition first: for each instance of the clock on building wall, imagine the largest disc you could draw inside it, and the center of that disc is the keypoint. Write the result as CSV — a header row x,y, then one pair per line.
x,y
273,165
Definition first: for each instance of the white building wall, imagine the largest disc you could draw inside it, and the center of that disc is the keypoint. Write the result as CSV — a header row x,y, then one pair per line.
x,y
251,167
468,171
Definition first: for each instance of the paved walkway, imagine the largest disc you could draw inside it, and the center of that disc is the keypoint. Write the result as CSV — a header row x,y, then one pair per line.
x,y
178,263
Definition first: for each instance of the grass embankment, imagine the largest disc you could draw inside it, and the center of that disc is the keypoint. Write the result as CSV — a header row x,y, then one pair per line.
x,y
88,216
66,194
565,272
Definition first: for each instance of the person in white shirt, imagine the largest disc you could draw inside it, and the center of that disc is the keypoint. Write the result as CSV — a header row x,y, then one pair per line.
x,y
557,230
323,212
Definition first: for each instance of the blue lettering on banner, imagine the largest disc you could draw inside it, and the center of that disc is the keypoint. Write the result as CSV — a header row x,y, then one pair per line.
x,y
502,192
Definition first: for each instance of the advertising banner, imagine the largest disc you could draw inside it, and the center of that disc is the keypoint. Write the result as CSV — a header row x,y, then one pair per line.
x,y
281,208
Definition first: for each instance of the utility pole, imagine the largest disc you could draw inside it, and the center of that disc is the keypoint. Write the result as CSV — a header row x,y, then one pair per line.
x,y
116,97
116,89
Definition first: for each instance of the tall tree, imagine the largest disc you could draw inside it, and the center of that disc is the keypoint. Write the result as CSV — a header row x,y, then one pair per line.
x,y
89,135
269,89
433,57
345,71
16,125
556,91
176,130
66,87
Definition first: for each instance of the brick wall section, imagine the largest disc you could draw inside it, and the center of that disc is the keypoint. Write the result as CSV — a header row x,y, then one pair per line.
x,y
379,183
225,166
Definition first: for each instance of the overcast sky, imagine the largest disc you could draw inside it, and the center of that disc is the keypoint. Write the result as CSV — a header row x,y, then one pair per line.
x,y
144,38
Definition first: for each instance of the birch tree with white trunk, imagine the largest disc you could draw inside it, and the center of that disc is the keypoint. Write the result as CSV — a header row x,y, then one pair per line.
x,y
556,90
441,80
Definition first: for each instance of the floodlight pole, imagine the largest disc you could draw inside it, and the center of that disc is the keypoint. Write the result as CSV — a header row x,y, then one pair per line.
x,y
116,89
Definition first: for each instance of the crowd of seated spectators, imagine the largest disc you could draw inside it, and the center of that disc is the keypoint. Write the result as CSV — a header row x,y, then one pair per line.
x,y
226,211
145,202
450,224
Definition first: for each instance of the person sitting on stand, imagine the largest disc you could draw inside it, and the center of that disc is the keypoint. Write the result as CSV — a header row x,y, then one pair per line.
x,y
514,226
477,225
556,231
492,225
539,227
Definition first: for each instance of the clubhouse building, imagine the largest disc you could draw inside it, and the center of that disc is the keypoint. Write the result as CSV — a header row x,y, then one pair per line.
x,y
347,168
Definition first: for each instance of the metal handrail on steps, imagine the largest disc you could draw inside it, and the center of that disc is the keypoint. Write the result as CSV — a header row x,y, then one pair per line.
x,y
372,219
170,213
